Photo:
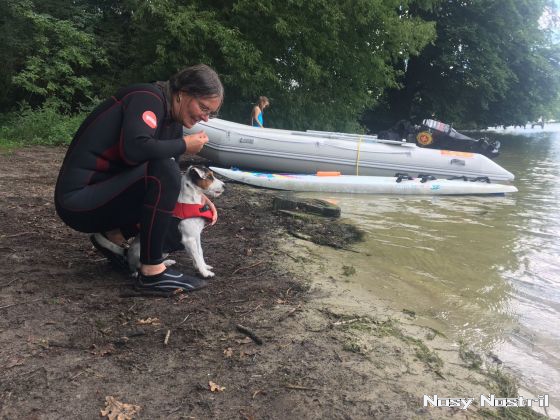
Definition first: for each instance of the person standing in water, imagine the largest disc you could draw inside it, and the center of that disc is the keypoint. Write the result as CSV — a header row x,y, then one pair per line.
x,y
257,113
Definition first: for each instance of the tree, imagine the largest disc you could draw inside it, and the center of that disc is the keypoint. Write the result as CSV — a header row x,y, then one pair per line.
x,y
490,64
321,62
54,55
324,62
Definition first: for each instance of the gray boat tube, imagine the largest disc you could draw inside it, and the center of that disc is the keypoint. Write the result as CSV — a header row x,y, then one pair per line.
x,y
275,150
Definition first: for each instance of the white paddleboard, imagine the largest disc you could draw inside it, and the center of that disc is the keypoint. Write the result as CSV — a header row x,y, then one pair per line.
x,y
333,183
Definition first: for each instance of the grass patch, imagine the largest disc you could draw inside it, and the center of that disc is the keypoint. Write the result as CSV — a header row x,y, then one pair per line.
x,y
352,347
409,312
470,357
388,328
348,270
504,385
424,354
362,325
8,146
433,333
44,126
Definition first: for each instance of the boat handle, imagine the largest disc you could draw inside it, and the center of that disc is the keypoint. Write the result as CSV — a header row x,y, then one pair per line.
x,y
460,162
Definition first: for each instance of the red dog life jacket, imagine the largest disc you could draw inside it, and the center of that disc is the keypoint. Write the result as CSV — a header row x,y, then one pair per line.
x,y
186,211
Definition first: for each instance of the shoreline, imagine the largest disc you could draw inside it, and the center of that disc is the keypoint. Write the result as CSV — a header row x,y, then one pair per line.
x,y
72,334
434,364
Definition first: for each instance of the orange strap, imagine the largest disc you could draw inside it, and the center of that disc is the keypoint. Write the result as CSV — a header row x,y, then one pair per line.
x,y
326,173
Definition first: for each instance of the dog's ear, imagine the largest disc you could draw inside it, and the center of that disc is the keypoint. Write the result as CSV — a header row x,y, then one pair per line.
x,y
200,172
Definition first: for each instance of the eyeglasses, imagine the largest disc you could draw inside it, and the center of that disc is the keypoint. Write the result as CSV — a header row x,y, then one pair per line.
x,y
205,110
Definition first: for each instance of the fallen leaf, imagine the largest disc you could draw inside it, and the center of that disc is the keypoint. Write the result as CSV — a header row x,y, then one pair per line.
x,y
148,321
228,352
244,353
182,297
14,362
257,392
104,350
215,387
280,301
245,340
247,416
116,410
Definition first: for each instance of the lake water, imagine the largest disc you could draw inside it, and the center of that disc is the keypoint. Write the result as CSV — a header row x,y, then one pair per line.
x,y
485,270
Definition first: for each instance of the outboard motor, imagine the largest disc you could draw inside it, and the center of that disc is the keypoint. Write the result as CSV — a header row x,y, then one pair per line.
x,y
437,135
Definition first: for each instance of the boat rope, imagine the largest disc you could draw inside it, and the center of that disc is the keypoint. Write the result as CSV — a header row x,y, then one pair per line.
x,y
358,155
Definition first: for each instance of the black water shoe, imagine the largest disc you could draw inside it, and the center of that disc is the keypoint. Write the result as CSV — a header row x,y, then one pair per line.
x,y
114,253
169,280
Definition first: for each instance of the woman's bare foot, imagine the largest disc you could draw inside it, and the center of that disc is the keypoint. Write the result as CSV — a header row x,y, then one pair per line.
x,y
152,270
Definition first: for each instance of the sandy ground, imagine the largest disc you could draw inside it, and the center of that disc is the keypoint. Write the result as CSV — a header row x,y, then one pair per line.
x,y
73,333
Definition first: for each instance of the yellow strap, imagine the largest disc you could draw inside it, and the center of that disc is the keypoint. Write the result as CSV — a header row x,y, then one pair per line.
x,y
358,156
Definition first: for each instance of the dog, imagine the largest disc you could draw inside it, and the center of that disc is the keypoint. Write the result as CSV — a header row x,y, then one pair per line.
x,y
190,216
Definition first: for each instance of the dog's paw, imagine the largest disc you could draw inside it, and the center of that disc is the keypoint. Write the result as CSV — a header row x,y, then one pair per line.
x,y
206,273
169,263
209,267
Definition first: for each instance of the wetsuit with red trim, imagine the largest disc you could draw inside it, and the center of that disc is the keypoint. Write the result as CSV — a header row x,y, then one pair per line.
x,y
118,170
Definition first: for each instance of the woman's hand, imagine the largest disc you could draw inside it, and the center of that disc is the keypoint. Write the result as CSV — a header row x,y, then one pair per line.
x,y
195,142
213,209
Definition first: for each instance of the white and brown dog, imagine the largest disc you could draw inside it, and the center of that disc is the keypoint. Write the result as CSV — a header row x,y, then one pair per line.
x,y
192,213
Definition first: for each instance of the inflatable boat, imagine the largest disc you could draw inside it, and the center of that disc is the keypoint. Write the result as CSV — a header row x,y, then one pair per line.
x,y
274,150
333,182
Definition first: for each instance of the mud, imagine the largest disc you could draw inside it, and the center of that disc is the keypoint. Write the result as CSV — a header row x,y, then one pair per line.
x,y
72,332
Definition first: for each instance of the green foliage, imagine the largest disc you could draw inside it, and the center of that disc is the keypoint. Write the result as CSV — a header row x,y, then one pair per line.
x,y
44,126
61,52
52,57
322,63
491,64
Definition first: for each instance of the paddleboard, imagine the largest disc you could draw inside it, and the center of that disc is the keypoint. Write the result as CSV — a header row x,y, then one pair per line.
x,y
335,183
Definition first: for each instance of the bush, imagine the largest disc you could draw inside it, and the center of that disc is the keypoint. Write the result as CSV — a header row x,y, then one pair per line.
x,y
44,126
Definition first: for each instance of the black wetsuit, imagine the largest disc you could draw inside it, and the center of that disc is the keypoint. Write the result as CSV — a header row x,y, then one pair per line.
x,y
118,171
